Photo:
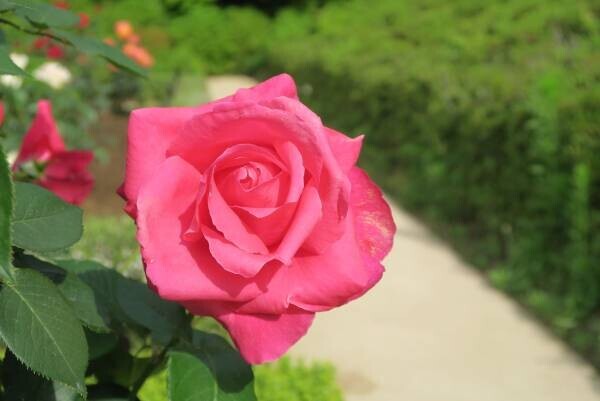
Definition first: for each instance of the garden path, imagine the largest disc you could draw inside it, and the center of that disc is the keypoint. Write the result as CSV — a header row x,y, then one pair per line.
x,y
434,330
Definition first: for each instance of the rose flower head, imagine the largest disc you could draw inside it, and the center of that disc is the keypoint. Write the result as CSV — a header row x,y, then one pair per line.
x,y
253,212
43,159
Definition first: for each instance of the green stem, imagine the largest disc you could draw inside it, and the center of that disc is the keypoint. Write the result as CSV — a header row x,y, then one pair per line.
x,y
155,363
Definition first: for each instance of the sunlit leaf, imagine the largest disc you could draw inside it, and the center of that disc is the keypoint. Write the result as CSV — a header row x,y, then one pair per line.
x,y
209,370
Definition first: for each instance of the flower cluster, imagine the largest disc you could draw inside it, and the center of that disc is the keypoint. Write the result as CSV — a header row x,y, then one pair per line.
x,y
131,44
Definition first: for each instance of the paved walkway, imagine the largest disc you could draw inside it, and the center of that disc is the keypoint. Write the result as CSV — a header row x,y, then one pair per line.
x,y
433,330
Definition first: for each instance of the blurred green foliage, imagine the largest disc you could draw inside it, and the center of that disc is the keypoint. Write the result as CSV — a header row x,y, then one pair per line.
x,y
482,117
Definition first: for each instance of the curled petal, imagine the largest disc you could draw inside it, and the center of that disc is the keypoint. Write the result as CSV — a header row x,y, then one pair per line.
x,y
232,258
308,214
346,150
292,158
43,139
270,224
279,85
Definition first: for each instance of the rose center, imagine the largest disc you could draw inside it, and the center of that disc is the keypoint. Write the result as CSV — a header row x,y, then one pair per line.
x,y
248,176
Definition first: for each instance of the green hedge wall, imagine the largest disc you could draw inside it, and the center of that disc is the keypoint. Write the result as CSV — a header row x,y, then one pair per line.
x,y
481,117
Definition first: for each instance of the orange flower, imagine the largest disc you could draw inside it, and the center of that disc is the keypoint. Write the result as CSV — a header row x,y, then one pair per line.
x,y
109,41
138,54
123,29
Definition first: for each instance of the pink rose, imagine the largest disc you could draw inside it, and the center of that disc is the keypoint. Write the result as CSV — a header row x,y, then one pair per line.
x,y
251,211
43,153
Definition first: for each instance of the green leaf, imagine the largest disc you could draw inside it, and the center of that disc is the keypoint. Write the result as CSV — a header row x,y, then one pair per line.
x,y
100,344
40,328
42,221
103,281
144,307
209,370
95,47
7,66
21,384
42,15
6,205
78,293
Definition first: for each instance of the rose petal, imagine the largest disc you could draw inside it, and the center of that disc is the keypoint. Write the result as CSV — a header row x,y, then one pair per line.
x,y
373,221
66,175
43,139
270,224
179,270
232,258
260,338
318,283
346,150
308,214
261,124
291,157
150,133
279,85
